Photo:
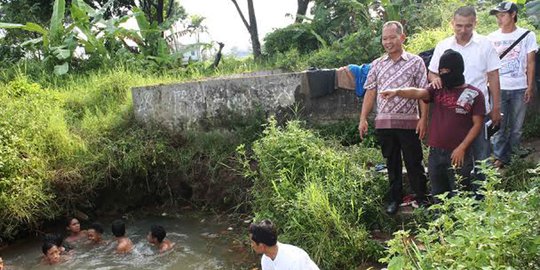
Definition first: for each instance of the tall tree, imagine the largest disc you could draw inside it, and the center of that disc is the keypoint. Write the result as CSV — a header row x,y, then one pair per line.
x,y
159,11
301,10
251,26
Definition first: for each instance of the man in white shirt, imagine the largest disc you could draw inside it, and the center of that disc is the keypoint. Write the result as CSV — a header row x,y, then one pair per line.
x,y
516,76
276,255
481,67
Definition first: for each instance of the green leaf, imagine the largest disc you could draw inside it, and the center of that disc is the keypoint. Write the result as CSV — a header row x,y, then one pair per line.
x,y
61,69
57,19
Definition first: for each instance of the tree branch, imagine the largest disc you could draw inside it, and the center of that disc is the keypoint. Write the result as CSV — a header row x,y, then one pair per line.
x,y
241,15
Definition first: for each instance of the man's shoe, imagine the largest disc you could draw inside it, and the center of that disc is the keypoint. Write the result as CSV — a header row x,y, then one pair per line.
x,y
392,208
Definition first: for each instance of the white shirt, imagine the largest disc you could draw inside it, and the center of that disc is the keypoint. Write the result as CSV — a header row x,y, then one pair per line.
x,y
289,257
479,57
514,64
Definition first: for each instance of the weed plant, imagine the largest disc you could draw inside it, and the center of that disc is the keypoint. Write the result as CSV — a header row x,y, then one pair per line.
x,y
498,232
319,193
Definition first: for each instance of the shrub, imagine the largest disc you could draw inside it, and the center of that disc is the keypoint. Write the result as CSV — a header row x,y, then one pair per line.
x,y
33,138
319,193
499,232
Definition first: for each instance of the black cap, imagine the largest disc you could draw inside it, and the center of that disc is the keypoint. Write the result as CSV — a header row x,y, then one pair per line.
x,y
504,7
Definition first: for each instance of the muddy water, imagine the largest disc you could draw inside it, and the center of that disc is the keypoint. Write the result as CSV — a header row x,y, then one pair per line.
x,y
201,243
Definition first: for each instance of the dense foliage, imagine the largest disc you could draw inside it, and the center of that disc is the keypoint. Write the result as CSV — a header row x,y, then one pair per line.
x,y
499,232
322,195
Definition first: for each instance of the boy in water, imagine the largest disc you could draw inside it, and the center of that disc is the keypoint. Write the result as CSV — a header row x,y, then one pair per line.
x,y
74,228
124,244
156,237
456,120
51,253
95,233
1,264
58,241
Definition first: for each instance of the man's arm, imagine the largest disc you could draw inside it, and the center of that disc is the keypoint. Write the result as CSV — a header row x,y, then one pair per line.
x,y
409,92
367,106
531,65
435,80
458,155
495,92
421,127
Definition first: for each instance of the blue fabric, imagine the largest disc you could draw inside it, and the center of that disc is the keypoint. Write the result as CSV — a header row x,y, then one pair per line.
x,y
360,75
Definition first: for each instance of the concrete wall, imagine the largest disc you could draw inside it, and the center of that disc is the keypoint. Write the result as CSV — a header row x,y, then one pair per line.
x,y
187,105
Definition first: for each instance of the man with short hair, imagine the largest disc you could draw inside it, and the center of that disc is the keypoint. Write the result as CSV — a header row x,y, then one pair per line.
x,y
397,124
481,67
276,255
124,244
517,79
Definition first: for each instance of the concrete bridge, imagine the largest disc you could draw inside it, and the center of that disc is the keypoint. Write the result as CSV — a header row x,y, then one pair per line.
x,y
188,105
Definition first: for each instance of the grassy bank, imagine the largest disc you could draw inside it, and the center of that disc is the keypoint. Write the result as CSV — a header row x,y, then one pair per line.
x,y
67,140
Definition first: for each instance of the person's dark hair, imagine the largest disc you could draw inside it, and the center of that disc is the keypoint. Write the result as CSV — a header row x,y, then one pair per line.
x,y
46,246
465,11
399,26
118,228
515,17
69,219
55,239
158,232
263,232
96,226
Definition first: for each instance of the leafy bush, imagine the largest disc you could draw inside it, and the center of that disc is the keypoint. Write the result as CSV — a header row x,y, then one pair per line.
x,y
298,36
499,232
33,138
318,193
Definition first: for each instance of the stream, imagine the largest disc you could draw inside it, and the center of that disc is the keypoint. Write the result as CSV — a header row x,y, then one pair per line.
x,y
201,242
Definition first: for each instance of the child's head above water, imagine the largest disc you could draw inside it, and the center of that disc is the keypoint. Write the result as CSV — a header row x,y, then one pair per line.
x,y
73,225
95,231
118,228
51,252
157,234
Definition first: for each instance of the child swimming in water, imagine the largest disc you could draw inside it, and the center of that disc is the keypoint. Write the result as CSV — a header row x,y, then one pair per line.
x,y
58,240
74,228
51,254
124,244
156,237
95,233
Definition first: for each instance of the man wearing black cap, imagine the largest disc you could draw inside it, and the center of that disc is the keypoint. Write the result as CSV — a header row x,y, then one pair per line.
x,y
516,77
456,120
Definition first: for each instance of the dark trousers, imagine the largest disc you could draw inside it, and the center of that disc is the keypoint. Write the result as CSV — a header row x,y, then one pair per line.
x,y
442,175
394,142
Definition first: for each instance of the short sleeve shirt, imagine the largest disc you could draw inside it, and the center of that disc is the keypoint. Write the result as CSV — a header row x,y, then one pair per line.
x,y
479,57
451,115
514,64
408,71
289,257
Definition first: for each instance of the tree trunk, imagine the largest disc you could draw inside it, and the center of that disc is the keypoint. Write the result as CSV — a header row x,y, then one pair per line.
x,y
253,31
301,11
251,26
159,12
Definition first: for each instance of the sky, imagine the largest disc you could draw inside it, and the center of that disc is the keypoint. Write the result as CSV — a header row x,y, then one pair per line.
x,y
225,25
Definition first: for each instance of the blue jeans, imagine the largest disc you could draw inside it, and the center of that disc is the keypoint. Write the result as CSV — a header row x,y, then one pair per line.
x,y
508,137
442,175
481,148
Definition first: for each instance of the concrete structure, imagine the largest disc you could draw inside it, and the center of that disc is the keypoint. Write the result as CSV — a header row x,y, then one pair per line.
x,y
188,105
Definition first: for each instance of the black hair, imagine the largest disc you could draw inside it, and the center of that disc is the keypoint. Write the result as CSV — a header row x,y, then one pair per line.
x,y
55,239
69,219
96,226
263,232
46,246
118,228
465,11
158,232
